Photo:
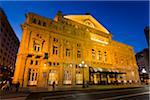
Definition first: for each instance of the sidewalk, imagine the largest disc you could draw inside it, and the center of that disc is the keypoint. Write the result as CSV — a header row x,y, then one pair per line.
x,y
66,88
13,94
24,92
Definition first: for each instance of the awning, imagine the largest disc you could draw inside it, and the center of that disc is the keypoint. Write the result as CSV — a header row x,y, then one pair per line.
x,y
104,70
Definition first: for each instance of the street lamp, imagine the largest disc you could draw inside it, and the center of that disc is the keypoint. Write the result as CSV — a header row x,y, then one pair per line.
x,y
83,65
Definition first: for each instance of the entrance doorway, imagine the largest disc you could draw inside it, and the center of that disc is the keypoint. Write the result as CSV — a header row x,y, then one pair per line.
x,y
52,76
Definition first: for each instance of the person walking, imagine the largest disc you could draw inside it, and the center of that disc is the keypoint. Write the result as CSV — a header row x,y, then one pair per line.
x,y
53,85
17,86
10,83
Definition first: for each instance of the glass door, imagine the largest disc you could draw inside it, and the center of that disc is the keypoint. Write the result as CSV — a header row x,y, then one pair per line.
x,y
53,76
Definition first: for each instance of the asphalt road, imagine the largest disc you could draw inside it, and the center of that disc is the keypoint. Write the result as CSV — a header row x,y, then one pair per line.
x,y
141,93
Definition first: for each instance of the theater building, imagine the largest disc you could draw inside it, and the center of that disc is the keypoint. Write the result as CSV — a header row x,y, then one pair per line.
x,y
71,50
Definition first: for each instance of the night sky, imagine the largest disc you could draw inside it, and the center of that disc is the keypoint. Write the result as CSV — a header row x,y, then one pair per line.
x,y
126,20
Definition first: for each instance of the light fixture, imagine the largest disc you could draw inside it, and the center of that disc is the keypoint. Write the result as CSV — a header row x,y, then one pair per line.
x,y
70,65
80,65
85,65
144,71
44,65
82,62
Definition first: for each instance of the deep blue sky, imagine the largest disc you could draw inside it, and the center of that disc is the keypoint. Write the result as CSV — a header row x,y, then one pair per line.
x,y
125,20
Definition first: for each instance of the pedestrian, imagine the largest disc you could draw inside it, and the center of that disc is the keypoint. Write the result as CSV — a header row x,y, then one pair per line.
x,y
17,86
53,85
10,83
7,86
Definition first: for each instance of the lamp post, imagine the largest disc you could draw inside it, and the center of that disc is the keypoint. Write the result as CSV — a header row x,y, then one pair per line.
x,y
144,73
83,65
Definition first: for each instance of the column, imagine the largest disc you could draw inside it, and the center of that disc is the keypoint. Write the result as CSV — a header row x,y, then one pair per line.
x,y
61,76
20,69
74,75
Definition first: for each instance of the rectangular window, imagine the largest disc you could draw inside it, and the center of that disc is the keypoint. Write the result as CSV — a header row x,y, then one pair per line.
x,y
46,56
55,40
99,55
31,62
50,63
55,50
105,56
78,53
36,62
32,76
36,47
54,63
57,64
68,52
93,54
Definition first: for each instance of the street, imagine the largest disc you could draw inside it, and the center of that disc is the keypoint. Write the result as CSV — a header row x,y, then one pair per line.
x,y
141,93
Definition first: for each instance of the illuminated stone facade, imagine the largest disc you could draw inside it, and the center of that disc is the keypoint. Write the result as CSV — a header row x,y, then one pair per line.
x,y
54,50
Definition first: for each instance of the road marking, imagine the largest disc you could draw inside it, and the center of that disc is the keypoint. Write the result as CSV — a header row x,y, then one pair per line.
x,y
124,96
81,94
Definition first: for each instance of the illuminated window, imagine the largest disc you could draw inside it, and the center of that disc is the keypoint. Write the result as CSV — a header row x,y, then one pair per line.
x,y
53,76
79,78
67,77
93,54
68,52
55,50
32,76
